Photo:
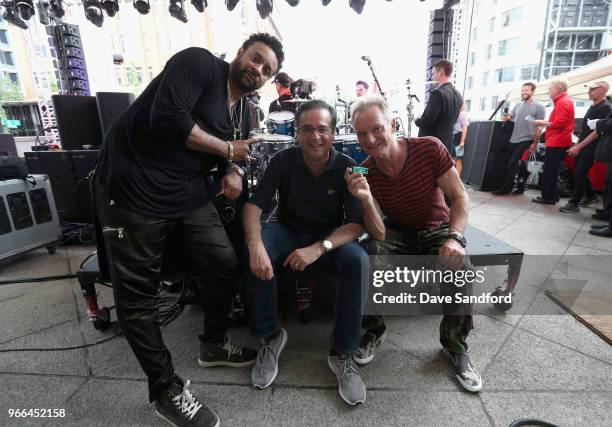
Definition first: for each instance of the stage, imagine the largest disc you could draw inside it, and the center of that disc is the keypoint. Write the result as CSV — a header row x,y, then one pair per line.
x,y
550,367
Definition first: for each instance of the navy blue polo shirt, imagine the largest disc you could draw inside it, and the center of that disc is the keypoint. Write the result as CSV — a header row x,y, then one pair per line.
x,y
308,203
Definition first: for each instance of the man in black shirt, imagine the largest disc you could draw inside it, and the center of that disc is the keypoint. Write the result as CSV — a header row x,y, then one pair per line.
x,y
443,107
584,195
318,218
152,188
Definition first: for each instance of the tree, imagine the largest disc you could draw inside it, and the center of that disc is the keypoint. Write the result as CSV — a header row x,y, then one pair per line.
x,y
9,91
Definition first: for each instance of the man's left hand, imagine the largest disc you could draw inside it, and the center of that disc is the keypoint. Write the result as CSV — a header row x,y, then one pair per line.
x,y
574,151
231,186
301,258
452,254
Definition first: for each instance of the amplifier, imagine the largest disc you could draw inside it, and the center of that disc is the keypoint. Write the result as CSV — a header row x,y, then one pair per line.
x,y
28,217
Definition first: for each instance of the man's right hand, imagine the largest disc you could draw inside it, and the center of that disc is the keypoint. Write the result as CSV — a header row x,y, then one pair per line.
x,y
357,185
259,262
242,148
532,147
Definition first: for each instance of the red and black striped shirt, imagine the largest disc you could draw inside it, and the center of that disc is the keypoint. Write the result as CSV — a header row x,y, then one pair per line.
x,y
413,200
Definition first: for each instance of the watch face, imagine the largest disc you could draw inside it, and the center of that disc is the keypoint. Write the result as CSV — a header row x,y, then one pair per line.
x,y
327,245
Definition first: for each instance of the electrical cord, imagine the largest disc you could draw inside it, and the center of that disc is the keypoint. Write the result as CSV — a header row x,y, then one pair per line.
x,y
38,279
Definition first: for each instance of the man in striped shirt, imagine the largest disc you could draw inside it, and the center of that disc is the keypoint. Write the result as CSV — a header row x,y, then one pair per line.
x,y
406,182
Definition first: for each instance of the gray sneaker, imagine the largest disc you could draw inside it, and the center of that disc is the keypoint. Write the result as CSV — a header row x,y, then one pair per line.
x,y
466,373
350,385
266,366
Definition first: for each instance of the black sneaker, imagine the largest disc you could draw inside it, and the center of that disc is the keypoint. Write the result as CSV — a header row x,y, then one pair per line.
x,y
598,226
601,217
601,212
225,354
177,406
372,339
569,207
466,373
588,201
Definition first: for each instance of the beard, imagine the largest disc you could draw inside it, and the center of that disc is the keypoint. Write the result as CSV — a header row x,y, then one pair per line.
x,y
238,77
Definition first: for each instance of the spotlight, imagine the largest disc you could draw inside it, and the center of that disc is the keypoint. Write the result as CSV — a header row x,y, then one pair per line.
x,y
111,7
200,5
264,7
25,8
177,10
56,8
43,12
293,3
357,5
326,2
93,12
142,6
231,4
11,16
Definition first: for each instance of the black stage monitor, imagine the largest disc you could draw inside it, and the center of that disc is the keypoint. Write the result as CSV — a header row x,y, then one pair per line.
x,y
7,145
111,105
78,122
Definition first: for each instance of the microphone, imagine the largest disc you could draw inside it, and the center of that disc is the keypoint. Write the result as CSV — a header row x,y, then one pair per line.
x,y
366,59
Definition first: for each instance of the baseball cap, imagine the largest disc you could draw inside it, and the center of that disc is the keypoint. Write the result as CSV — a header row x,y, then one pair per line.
x,y
283,79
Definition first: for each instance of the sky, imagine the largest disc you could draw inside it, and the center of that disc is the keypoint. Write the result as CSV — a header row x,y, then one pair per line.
x,y
327,43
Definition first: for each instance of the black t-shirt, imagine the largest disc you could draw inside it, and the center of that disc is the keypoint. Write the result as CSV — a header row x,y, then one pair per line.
x,y
308,203
144,164
281,104
597,111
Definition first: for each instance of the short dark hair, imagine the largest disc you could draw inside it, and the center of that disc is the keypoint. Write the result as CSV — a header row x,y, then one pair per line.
x,y
444,65
531,85
270,41
364,84
316,104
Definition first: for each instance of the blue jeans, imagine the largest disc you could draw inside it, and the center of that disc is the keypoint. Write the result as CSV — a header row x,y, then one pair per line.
x,y
352,264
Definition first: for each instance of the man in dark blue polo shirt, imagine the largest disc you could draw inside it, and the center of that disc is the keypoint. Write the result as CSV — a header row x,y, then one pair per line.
x,y
318,218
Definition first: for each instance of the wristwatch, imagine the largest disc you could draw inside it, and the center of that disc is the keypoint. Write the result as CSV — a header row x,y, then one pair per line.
x,y
233,167
458,237
327,245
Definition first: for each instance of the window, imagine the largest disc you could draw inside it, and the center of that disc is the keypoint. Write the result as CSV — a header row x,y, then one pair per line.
x,y
485,78
3,37
491,24
494,101
468,105
483,101
489,51
472,58
508,46
505,74
474,34
9,58
530,72
14,78
470,82
512,16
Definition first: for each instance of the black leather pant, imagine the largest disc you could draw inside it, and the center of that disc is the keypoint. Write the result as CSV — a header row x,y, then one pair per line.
x,y
136,247
582,183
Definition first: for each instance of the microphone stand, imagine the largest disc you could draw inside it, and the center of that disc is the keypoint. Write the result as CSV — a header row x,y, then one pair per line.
x,y
375,78
410,107
502,102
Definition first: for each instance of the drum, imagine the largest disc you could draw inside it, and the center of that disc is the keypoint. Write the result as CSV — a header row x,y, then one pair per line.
x,y
281,123
348,145
272,143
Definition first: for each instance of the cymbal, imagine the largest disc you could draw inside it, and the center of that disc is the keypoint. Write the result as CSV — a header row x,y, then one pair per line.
x,y
297,100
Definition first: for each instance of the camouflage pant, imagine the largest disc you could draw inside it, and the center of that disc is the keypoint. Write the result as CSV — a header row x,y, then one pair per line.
x,y
457,320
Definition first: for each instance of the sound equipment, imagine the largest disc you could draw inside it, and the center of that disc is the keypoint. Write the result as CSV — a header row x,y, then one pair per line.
x,y
486,154
67,171
438,42
67,48
28,216
111,105
77,120
7,145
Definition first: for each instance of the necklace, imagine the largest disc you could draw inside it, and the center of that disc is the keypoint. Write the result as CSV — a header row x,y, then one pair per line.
x,y
235,114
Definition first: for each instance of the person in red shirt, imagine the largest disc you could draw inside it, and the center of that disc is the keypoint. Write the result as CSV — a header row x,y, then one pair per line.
x,y
559,129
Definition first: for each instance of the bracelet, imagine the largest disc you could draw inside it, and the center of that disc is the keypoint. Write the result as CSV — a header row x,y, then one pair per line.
x,y
230,151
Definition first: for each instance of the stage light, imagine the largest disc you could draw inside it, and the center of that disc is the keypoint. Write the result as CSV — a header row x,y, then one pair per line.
x,y
93,12
200,5
43,13
231,4
293,3
111,7
25,8
264,7
55,6
357,5
177,10
11,16
142,6
326,2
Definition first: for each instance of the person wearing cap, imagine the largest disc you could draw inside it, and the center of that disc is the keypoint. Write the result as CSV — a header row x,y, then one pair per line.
x,y
282,82
584,151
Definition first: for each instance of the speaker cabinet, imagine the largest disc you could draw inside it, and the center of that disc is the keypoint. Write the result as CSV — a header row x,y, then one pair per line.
x,y
111,105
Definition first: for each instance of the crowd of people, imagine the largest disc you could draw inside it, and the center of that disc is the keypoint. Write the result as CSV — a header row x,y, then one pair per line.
x,y
153,184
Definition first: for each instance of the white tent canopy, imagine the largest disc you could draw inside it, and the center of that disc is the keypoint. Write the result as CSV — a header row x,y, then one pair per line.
x,y
578,80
